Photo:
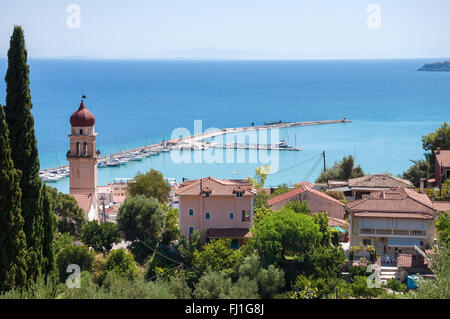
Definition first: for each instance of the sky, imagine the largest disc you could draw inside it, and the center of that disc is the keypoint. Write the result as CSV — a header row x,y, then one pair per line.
x,y
229,29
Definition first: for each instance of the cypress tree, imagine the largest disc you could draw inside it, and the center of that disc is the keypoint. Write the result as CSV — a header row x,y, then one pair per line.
x,y
13,256
24,151
48,265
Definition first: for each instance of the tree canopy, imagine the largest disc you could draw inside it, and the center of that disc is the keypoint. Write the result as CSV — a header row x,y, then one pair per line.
x,y
102,236
69,217
142,220
343,170
439,138
150,184
24,150
13,263
121,262
284,233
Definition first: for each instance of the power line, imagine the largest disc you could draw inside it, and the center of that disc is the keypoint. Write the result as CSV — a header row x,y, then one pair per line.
x,y
156,251
298,164
313,168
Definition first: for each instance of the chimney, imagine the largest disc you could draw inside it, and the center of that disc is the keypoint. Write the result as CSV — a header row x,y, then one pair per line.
x,y
422,181
438,150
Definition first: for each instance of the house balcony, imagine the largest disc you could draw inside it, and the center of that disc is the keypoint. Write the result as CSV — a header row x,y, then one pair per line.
x,y
376,232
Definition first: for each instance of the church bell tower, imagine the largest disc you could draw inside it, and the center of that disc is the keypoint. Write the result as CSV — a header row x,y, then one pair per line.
x,y
82,157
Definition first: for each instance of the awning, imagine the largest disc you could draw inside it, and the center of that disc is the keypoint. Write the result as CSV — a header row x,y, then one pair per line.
x,y
403,242
339,229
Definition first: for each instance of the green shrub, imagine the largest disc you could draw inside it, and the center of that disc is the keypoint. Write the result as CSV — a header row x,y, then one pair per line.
x,y
357,271
395,285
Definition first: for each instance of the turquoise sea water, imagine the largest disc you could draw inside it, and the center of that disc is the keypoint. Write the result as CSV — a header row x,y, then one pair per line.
x,y
141,102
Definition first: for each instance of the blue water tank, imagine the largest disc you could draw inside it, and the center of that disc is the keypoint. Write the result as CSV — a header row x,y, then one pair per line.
x,y
412,281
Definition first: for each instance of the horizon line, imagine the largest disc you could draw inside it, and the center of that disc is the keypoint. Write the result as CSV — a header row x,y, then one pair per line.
x,y
225,59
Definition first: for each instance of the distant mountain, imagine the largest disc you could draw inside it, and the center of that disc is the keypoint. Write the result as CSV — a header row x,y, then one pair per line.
x,y
438,66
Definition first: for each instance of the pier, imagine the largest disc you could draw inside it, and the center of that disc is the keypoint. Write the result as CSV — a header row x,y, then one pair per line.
x,y
193,142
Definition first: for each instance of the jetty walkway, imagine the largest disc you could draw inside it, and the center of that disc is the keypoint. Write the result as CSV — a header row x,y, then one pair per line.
x,y
193,142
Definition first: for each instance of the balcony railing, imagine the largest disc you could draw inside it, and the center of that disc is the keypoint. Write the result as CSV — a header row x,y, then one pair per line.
x,y
393,232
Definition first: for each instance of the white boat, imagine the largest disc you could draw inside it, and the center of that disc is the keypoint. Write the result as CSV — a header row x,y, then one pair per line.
x,y
283,144
137,158
48,177
113,162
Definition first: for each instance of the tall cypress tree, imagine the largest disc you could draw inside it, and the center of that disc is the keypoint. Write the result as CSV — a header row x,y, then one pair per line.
x,y
48,265
13,256
24,147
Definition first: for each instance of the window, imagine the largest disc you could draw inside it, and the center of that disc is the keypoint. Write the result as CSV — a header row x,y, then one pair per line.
x,y
207,215
191,212
191,230
239,194
207,194
81,132
366,242
231,215
245,216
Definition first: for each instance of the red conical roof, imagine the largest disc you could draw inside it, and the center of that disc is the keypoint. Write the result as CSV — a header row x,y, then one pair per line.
x,y
82,117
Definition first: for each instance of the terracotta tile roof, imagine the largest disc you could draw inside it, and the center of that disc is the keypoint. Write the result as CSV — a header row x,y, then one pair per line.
x,y
398,199
379,181
443,158
441,206
394,215
83,201
305,187
228,233
217,187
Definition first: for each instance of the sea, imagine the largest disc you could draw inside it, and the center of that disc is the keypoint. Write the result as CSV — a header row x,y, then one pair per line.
x,y
141,102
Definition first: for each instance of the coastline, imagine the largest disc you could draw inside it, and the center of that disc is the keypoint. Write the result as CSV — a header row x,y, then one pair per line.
x,y
189,142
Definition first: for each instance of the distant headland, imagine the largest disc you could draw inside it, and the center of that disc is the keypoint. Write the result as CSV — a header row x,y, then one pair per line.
x,y
438,66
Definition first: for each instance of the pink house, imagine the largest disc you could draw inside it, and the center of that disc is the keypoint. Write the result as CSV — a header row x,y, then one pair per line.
x,y
218,208
317,201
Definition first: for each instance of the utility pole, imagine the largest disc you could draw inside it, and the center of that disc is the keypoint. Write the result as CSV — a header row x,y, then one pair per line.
x,y
104,214
324,163
182,281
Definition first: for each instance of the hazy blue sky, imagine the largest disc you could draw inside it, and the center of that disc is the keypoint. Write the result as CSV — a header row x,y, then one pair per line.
x,y
293,29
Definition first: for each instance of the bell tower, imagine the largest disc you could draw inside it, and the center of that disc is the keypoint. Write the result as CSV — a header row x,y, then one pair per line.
x,y
82,157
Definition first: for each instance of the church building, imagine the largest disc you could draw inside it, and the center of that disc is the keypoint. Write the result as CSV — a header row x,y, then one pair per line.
x,y
82,157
